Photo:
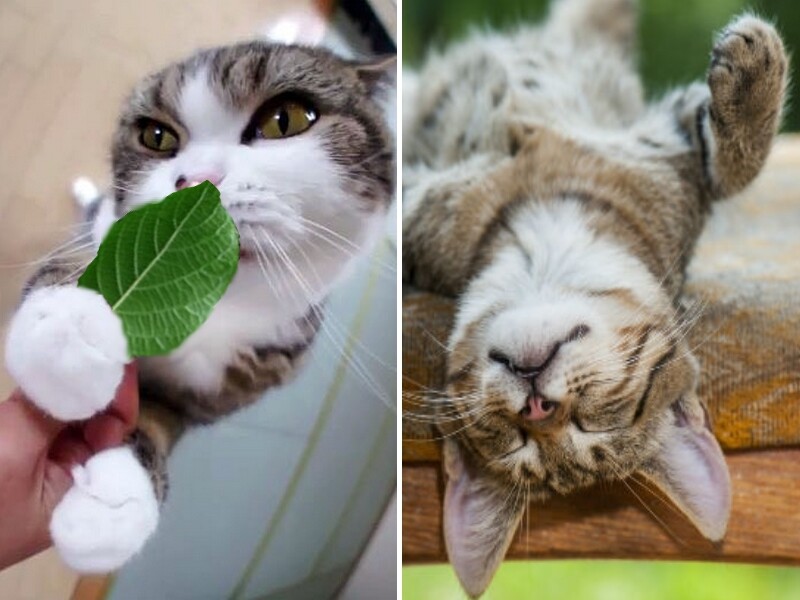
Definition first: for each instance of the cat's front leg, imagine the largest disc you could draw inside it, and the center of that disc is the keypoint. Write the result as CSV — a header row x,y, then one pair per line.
x,y
67,351
107,515
445,212
113,506
747,79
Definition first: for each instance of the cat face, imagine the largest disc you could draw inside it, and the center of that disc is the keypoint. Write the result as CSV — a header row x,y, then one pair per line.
x,y
294,138
564,352
567,367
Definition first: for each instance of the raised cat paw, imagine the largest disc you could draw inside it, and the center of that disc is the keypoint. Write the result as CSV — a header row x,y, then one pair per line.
x,y
747,75
108,514
67,351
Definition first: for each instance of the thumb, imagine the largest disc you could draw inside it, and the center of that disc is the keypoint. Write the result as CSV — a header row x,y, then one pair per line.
x,y
31,427
104,430
109,428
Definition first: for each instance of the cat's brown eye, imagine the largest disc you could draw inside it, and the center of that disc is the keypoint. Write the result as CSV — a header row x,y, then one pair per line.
x,y
285,119
158,137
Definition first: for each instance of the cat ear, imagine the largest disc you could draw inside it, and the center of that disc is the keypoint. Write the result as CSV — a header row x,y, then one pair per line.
x,y
480,518
690,469
379,75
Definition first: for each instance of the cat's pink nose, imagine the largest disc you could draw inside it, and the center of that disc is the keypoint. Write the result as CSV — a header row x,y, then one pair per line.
x,y
538,408
197,178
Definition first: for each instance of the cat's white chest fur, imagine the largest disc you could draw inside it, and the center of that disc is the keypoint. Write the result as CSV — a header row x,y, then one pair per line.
x,y
249,315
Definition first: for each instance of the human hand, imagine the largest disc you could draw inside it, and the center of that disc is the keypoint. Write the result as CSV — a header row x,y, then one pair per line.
x,y
37,453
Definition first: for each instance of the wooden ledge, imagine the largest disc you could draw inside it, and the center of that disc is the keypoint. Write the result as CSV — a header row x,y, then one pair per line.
x,y
611,522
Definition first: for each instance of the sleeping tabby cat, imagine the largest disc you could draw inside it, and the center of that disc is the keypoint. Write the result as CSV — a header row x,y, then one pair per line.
x,y
298,144
562,210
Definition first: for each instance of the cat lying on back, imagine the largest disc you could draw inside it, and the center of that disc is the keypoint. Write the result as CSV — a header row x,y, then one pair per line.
x,y
298,144
562,210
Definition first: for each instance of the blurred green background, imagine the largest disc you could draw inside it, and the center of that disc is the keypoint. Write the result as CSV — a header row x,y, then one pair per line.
x,y
675,36
612,580
675,41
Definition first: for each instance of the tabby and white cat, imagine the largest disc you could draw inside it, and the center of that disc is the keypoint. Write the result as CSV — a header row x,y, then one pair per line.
x,y
298,144
562,210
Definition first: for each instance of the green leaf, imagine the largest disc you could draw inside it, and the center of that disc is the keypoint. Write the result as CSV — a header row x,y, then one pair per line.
x,y
164,266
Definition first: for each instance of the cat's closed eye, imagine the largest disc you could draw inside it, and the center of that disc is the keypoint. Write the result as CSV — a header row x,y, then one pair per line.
x,y
158,137
284,118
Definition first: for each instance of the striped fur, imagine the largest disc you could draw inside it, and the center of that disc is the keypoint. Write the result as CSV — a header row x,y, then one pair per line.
x,y
562,211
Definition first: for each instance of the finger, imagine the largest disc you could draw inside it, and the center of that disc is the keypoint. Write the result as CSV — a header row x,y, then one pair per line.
x,y
70,448
31,428
103,432
125,405
108,429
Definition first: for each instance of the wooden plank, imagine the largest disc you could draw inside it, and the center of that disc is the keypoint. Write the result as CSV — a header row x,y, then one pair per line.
x,y
92,587
610,521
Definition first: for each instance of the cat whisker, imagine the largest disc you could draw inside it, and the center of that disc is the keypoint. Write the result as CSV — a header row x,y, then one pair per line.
x,y
527,518
72,275
122,188
346,351
262,259
363,161
262,263
659,520
504,456
72,228
381,268
339,241
420,386
441,403
437,419
439,399
72,246
298,248
435,340
438,416
333,321
420,400
459,430
521,499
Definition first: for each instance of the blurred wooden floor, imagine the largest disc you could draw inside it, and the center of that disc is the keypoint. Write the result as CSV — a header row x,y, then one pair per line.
x,y
65,68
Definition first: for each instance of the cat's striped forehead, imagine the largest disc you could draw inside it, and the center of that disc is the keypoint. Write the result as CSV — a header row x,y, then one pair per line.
x,y
244,75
